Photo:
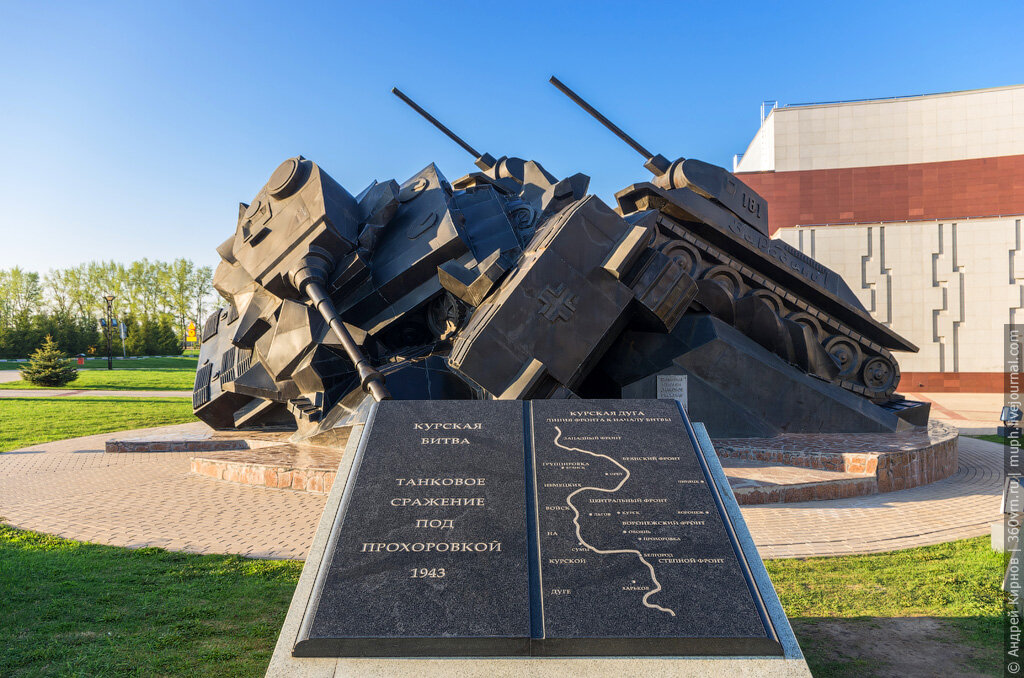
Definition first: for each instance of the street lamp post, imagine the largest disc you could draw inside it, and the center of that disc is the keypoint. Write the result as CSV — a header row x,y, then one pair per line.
x,y
106,330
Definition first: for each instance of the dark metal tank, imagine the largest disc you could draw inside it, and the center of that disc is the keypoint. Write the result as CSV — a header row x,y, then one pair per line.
x,y
783,299
511,283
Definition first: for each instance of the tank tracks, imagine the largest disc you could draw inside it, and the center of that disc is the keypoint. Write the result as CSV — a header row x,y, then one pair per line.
x,y
735,293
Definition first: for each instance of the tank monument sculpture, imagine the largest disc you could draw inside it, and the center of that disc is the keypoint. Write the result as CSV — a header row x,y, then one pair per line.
x,y
494,379
514,284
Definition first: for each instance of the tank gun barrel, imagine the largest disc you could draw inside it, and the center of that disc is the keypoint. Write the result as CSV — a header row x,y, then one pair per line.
x,y
372,380
656,163
309,278
484,161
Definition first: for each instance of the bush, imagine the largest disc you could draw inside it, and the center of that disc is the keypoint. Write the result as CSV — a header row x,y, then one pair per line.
x,y
48,366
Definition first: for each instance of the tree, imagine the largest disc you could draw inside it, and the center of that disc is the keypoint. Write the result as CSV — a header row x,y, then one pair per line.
x,y
138,335
164,340
48,366
20,292
66,303
202,290
24,335
76,287
72,334
56,286
153,336
131,327
181,279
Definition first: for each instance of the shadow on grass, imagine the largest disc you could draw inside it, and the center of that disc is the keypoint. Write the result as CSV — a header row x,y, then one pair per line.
x,y
71,608
857,647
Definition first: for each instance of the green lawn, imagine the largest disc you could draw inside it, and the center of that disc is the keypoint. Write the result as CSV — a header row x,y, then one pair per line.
x,y
183,362
74,609
948,591
28,421
145,374
85,609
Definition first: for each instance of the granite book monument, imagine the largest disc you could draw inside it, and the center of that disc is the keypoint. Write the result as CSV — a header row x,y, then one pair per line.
x,y
551,528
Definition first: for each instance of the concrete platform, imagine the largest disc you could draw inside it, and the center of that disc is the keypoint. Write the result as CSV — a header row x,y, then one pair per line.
x,y
306,468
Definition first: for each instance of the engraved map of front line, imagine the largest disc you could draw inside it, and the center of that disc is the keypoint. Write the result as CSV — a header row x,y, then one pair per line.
x,y
576,521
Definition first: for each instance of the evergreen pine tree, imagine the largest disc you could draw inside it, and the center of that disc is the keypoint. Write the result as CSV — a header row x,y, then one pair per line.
x,y
48,366
167,342
138,338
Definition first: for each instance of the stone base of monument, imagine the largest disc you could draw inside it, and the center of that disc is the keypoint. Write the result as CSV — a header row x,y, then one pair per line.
x,y
207,440
787,468
262,458
849,464
357,612
303,468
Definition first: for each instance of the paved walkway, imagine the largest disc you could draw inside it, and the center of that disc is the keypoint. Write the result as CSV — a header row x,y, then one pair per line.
x,y
88,393
9,375
73,489
972,413
963,505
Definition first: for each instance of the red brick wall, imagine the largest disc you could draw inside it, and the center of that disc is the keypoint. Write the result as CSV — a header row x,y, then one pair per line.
x,y
919,192
951,382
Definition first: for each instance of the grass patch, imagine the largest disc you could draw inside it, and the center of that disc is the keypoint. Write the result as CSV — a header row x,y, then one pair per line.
x,y
956,583
83,609
121,380
145,374
30,421
184,362
71,608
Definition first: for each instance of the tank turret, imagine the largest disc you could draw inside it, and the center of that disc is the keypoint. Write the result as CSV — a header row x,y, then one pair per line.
x,y
710,181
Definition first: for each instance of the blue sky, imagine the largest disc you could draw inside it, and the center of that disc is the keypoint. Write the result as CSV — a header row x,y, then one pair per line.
x,y
134,129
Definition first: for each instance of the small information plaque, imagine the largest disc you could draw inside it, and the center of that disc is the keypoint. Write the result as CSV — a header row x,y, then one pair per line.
x,y
634,552
672,386
429,551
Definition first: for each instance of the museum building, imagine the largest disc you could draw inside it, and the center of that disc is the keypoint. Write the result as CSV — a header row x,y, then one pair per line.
x,y
917,202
